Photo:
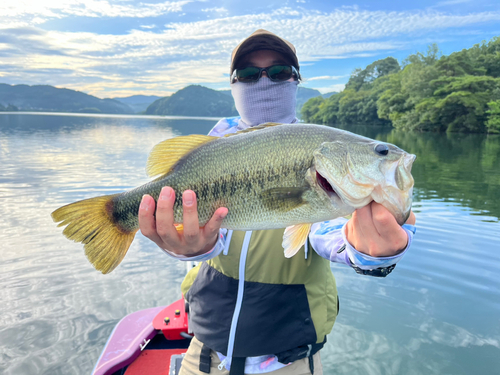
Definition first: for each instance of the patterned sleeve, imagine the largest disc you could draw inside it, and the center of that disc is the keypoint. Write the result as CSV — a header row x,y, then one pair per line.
x,y
225,126
329,240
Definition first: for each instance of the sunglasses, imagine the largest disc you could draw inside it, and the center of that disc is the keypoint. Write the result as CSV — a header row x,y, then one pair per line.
x,y
276,73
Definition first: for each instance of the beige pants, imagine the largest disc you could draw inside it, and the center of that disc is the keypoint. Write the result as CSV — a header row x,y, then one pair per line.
x,y
191,363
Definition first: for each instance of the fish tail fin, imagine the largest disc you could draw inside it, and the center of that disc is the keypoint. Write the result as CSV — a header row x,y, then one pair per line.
x,y
91,223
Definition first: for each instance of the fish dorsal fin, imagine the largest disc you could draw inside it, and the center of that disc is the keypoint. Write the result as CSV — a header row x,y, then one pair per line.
x,y
167,153
253,128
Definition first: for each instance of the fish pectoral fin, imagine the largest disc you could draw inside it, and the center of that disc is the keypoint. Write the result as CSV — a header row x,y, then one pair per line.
x,y
166,154
294,237
283,199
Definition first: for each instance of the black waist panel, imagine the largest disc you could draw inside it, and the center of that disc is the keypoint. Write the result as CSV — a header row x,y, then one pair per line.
x,y
274,317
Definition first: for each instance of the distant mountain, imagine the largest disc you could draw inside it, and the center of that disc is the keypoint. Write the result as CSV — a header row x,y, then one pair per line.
x,y
303,95
194,100
52,99
139,103
328,94
190,101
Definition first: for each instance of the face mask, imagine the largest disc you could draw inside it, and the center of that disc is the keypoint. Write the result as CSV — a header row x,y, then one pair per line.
x,y
265,101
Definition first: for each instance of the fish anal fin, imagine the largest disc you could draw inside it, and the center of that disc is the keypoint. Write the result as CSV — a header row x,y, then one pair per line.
x,y
294,238
166,154
283,199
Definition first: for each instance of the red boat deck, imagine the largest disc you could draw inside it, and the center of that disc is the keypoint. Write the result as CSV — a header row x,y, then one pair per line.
x,y
153,362
149,341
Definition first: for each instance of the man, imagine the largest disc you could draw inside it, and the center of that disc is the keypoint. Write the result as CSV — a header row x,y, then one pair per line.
x,y
251,309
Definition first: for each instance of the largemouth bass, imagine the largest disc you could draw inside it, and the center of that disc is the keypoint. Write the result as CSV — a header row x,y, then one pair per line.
x,y
270,176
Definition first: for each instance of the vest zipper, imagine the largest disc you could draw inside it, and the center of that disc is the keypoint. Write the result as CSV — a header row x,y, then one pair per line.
x,y
239,299
229,234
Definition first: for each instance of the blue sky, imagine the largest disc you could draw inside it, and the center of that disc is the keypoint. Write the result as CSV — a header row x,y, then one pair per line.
x,y
116,48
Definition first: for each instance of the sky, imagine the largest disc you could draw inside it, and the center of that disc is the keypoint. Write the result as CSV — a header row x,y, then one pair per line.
x,y
118,48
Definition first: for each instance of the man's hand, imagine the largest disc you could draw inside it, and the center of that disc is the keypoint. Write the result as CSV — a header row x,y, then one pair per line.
x,y
193,240
373,230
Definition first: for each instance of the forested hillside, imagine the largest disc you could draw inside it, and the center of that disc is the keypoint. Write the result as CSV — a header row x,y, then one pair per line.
x,y
456,93
194,101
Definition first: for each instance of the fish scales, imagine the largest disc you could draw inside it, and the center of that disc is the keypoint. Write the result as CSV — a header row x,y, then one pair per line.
x,y
233,172
271,176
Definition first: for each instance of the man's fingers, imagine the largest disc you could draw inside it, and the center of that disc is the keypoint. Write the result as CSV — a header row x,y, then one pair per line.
x,y
215,222
412,219
393,235
165,215
211,229
365,222
383,220
352,230
373,230
190,217
147,223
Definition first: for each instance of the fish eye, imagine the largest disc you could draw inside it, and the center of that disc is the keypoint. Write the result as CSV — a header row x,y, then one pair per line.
x,y
382,149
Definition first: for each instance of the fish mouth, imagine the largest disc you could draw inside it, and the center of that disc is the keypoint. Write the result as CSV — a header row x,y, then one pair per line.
x,y
388,183
392,198
326,186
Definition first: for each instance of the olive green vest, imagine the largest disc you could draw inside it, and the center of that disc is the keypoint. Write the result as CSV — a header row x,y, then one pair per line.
x,y
266,263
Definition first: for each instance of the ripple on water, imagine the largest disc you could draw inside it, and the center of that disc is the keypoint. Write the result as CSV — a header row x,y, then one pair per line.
x,y
437,313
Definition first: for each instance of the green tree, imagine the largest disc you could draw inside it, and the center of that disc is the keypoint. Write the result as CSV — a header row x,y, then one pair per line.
x,y
329,109
310,110
431,93
493,123
430,58
377,69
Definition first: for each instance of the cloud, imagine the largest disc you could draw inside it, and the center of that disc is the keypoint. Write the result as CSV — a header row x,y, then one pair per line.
x,y
324,78
450,2
33,12
167,58
332,88
220,10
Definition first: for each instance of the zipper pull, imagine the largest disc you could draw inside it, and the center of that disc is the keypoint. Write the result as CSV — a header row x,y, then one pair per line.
x,y
223,363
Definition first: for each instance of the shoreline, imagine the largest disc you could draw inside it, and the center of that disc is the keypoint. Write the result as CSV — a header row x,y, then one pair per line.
x,y
112,115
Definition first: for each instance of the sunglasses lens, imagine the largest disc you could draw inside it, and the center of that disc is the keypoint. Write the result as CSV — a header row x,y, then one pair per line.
x,y
279,72
249,74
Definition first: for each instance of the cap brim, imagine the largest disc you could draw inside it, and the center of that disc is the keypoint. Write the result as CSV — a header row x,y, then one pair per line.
x,y
263,42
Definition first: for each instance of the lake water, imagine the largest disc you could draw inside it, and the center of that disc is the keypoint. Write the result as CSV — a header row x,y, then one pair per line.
x,y
437,313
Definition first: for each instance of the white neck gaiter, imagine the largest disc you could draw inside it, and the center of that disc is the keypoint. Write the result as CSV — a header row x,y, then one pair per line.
x,y
265,101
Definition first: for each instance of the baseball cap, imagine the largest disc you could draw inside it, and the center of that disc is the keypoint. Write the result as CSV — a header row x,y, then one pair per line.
x,y
263,39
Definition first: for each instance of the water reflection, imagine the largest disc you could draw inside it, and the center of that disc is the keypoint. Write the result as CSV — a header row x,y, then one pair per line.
x,y
56,310
461,168
436,313
422,350
20,123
